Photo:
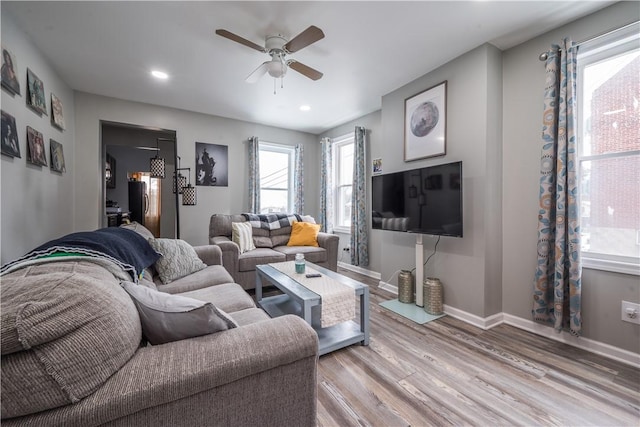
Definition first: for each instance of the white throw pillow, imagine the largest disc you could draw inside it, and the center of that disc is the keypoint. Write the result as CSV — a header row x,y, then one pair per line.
x,y
242,235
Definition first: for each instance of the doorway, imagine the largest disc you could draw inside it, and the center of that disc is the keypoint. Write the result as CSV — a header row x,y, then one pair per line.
x,y
126,152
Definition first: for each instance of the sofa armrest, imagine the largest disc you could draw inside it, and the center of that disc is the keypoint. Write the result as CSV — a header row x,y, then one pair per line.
x,y
330,243
209,254
281,353
230,254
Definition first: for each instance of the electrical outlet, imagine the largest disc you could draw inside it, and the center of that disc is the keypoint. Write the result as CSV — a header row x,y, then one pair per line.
x,y
345,249
630,312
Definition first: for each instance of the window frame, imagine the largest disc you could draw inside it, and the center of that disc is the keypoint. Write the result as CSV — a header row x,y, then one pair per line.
x,y
338,143
283,149
601,48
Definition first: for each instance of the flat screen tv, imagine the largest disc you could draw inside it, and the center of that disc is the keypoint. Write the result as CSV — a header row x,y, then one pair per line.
x,y
424,201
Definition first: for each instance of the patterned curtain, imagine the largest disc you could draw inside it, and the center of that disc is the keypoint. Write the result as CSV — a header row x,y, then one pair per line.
x,y
326,185
254,175
298,181
359,229
556,294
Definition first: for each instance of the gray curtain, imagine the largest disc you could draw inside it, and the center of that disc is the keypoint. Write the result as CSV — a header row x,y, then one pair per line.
x,y
298,180
326,185
254,175
359,229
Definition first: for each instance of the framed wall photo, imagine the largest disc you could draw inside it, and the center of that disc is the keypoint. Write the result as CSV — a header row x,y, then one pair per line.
x,y
377,166
10,145
425,123
57,156
35,147
57,118
212,164
35,93
10,72
110,171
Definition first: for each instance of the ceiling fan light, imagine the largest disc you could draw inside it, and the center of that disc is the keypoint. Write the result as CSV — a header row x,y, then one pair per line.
x,y
277,69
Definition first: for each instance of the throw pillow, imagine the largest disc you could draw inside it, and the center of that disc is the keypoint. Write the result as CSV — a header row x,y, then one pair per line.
x,y
242,235
178,259
165,317
304,234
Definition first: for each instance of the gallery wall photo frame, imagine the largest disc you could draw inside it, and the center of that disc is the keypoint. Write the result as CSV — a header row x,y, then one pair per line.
x,y
10,143
35,93
9,74
35,147
425,123
57,156
57,116
212,164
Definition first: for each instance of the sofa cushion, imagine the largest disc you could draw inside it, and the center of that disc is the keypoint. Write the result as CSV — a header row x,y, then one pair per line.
x,y
178,259
230,297
211,276
68,327
166,318
249,316
311,253
304,234
280,236
261,238
248,260
220,224
242,235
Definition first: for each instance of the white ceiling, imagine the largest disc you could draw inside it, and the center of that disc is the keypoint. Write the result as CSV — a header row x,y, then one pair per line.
x,y
370,49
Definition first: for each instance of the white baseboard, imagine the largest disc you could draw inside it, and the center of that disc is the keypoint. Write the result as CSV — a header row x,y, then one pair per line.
x,y
360,270
481,322
597,347
616,353
388,287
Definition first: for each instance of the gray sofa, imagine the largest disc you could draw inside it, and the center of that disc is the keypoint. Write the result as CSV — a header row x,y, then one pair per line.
x,y
72,355
271,246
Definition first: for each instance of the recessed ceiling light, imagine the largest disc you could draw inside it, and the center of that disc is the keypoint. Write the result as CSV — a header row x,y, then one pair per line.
x,y
159,74
305,108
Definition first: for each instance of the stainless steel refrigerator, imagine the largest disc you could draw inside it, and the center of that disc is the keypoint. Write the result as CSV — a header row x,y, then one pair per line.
x,y
138,201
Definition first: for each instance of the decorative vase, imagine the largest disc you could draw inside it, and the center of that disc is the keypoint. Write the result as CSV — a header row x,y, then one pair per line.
x,y
406,287
433,292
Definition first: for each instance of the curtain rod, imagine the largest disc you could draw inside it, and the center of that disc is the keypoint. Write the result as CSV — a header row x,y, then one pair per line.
x,y
544,55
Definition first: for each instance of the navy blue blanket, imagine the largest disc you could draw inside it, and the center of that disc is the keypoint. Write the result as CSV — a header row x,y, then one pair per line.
x,y
125,247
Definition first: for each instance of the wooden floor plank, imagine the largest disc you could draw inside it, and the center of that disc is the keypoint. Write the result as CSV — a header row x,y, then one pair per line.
x,y
448,372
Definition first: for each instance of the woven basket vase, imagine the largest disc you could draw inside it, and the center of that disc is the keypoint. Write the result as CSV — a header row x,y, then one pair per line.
x,y
433,296
406,287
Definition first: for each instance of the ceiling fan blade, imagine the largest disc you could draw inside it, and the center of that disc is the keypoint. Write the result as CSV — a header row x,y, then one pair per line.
x,y
305,70
304,39
257,73
229,35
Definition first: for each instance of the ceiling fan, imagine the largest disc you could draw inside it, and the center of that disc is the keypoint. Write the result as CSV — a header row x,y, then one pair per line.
x,y
278,47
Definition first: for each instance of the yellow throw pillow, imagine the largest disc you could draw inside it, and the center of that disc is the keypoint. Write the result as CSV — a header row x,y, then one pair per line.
x,y
304,234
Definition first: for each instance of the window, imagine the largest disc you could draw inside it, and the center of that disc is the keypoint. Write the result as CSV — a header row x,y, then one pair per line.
x,y
609,150
276,177
343,180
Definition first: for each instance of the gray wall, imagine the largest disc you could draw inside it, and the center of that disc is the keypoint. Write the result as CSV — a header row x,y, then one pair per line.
x,y
468,267
37,203
190,127
524,77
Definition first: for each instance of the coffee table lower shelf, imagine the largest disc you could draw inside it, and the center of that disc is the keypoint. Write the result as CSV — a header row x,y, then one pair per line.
x,y
329,339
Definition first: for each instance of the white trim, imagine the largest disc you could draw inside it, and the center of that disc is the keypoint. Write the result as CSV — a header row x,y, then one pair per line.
x,y
388,287
480,322
610,265
360,270
597,347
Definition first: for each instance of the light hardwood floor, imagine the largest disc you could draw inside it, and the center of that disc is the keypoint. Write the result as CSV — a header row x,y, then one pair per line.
x,y
447,372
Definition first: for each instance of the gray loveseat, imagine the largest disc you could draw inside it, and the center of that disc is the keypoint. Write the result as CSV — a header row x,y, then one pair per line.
x,y
72,355
271,246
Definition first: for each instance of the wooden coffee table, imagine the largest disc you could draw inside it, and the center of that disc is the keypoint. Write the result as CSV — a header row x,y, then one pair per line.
x,y
302,302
